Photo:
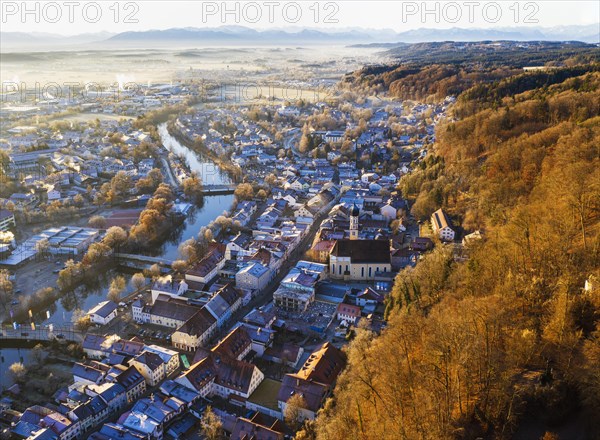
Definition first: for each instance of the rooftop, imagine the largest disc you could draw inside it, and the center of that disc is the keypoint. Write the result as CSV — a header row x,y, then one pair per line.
x,y
363,251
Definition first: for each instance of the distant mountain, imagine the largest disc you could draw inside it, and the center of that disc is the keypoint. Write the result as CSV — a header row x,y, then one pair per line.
x,y
241,35
588,34
39,39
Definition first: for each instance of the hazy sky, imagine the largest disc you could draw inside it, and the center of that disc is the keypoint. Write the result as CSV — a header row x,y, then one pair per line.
x,y
74,17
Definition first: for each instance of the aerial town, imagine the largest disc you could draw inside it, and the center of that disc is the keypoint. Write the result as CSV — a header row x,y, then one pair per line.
x,y
299,233
218,258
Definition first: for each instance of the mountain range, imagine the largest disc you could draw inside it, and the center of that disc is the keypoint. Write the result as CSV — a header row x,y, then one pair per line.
x,y
240,35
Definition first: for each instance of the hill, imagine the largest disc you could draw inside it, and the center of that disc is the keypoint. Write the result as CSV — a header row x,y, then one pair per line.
x,y
503,342
431,71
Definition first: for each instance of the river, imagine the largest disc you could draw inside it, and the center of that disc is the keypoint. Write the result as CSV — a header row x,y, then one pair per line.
x,y
213,206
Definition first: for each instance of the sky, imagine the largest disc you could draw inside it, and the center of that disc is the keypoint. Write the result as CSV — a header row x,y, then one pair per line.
x,y
77,17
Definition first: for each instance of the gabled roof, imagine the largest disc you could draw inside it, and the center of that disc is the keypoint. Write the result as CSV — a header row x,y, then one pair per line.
x,y
370,294
323,365
363,251
235,343
440,219
152,360
131,348
198,324
129,378
86,372
215,254
173,310
349,309
257,428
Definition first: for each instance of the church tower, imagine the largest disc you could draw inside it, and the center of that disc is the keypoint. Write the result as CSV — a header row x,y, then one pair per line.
x,y
354,212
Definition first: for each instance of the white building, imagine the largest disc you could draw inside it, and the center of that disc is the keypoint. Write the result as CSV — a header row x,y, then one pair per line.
x,y
103,313
442,226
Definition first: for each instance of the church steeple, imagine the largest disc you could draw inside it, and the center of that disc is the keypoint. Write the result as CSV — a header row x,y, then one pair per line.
x,y
354,213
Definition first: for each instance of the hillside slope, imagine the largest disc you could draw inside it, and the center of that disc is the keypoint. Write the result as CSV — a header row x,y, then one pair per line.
x,y
507,339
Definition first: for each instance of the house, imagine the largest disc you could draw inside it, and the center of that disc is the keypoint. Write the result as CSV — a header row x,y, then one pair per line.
x,y
103,313
111,431
133,382
359,260
195,332
143,424
237,246
22,199
348,313
315,380
224,302
7,220
304,215
321,250
472,238
113,394
257,428
369,297
53,194
167,312
388,211
222,372
151,366
402,258
286,353
261,337
96,346
170,358
442,226
168,286
253,276
60,425
421,244
89,414
87,374
261,317
207,268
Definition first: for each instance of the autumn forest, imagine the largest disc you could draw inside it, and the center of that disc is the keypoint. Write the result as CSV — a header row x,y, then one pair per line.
x,y
503,340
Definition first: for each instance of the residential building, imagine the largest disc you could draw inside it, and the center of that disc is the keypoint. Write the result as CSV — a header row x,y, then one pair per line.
x,y
170,358
222,372
103,313
314,381
348,313
195,332
7,220
223,303
151,366
133,382
257,428
207,268
442,226
253,276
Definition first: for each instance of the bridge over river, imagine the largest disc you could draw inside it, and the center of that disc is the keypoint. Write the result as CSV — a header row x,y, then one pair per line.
x,y
215,190
43,333
142,262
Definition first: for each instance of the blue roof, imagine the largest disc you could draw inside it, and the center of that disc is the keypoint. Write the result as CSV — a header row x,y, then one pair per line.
x,y
24,429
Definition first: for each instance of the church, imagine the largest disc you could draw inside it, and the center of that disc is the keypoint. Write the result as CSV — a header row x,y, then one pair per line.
x,y
359,260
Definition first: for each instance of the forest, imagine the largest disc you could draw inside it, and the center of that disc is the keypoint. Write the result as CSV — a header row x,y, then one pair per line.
x,y
432,71
505,342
